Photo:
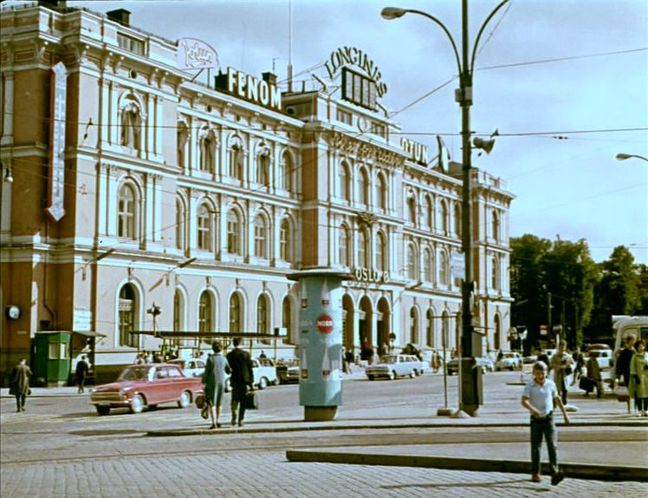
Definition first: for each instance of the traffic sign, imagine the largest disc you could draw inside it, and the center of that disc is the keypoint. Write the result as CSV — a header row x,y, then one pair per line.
x,y
324,324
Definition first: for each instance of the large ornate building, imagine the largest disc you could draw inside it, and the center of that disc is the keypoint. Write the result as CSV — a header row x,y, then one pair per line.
x,y
126,184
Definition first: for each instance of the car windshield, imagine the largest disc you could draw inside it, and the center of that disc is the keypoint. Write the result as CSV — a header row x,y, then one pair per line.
x,y
134,373
389,359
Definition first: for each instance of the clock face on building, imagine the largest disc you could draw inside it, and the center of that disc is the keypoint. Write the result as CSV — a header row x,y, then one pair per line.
x,y
13,312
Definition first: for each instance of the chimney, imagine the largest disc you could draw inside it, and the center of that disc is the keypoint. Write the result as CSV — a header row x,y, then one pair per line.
x,y
122,16
269,78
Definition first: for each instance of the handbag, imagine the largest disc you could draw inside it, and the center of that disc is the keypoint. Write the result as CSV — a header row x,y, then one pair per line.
x,y
200,401
251,402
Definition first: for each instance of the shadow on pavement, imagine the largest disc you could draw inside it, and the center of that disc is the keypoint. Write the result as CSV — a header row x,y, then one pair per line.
x,y
518,484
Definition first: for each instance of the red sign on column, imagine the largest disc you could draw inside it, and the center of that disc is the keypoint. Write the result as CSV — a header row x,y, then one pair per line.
x,y
324,324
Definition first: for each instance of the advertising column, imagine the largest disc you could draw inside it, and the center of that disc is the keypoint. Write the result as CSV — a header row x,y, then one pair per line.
x,y
320,344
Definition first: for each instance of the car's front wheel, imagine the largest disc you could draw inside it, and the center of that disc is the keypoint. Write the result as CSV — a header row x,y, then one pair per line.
x,y
263,383
102,410
185,399
392,375
137,404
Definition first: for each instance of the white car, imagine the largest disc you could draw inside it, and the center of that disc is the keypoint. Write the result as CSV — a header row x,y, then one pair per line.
x,y
192,367
265,373
392,366
509,361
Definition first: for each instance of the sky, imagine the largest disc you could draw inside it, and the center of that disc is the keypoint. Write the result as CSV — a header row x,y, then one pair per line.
x,y
575,83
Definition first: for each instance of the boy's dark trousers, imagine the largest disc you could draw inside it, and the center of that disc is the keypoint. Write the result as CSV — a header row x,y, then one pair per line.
x,y
543,427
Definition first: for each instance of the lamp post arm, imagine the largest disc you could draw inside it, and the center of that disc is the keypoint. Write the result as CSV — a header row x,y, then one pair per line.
x,y
481,32
445,30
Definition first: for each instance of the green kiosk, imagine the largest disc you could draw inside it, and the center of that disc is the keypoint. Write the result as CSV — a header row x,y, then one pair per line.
x,y
52,357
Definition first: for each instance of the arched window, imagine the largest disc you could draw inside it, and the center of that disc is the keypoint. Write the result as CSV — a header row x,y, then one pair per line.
x,y
285,240
127,307
204,227
495,277
429,329
428,269
263,318
131,125
263,167
381,252
260,237
286,318
345,179
364,187
381,196
411,209
207,144
428,213
445,218
127,225
235,313
233,232
183,138
236,159
412,262
414,325
457,219
496,227
444,268
177,311
344,245
363,249
180,228
206,312
286,173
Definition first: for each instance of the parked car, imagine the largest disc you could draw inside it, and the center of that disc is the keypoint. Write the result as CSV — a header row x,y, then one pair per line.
x,y
392,366
192,367
141,386
265,372
509,360
485,363
530,360
288,370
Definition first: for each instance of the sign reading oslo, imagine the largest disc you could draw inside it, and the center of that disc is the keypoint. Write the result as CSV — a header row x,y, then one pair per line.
x,y
324,324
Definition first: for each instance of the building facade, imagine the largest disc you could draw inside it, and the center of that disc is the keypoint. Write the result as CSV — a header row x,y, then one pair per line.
x,y
126,185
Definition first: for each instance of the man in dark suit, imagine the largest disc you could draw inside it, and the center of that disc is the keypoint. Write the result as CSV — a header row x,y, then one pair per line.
x,y
81,373
241,379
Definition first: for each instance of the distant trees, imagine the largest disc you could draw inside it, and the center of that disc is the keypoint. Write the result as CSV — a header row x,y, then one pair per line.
x,y
558,285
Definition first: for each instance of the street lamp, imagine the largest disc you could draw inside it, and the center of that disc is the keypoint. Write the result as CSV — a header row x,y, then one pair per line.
x,y
463,95
621,156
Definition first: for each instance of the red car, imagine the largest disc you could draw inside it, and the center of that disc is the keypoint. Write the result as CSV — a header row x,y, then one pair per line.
x,y
141,386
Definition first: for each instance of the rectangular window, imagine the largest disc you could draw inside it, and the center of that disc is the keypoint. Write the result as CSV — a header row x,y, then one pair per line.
x,y
344,116
378,129
131,44
358,89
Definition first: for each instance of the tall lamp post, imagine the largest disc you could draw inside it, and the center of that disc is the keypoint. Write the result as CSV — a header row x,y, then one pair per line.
x,y
463,95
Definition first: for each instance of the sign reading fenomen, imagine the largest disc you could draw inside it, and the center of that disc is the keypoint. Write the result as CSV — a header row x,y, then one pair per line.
x,y
263,92
55,209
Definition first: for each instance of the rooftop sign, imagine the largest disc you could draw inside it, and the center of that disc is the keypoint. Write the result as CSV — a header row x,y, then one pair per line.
x,y
259,91
195,54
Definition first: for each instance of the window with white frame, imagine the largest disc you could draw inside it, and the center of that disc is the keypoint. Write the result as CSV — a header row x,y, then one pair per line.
x,y
445,218
444,268
205,312
429,329
412,261
207,144
382,193
127,222
182,139
364,187
414,325
127,310
495,234
260,237
428,267
180,228
263,167
428,213
381,252
233,232
263,318
236,159
363,249
235,313
345,181
204,227
344,245
285,236
411,208
131,124
495,277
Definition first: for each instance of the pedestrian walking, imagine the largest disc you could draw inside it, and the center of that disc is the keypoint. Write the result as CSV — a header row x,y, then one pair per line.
x,y
540,397
639,378
81,374
622,366
241,380
20,384
214,378
562,364
594,376
579,360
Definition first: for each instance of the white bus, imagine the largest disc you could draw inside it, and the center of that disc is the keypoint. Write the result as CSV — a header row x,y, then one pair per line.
x,y
624,325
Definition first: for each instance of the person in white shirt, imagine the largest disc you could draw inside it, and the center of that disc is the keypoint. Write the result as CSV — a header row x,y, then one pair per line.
x,y
539,397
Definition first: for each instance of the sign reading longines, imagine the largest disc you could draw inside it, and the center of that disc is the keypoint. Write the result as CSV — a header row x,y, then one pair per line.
x,y
55,208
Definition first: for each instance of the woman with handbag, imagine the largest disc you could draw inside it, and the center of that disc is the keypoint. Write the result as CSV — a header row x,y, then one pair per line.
x,y
639,378
214,378
20,384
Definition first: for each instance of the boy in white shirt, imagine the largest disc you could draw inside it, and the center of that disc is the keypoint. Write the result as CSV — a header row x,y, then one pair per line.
x,y
539,397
